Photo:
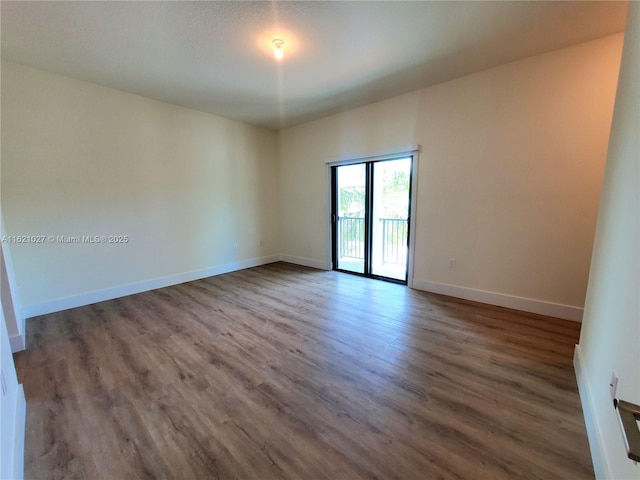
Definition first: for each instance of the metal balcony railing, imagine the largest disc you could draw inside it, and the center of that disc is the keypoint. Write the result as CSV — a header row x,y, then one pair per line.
x,y
351,237
394,239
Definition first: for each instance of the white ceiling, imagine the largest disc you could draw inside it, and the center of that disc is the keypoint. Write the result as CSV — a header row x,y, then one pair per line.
x,y
216,56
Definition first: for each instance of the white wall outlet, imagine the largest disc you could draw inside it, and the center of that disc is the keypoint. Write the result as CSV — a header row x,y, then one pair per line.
x,y
235,245
613,385
452,262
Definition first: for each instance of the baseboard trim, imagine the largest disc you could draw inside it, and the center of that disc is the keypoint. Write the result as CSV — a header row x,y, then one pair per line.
x,y
17,343
594,434
306,262
96,296
557,310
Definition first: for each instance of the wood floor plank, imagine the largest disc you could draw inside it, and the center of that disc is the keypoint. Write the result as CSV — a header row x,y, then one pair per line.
x,y
285,372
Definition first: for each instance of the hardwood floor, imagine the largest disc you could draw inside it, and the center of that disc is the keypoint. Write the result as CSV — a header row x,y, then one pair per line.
x,y
286,372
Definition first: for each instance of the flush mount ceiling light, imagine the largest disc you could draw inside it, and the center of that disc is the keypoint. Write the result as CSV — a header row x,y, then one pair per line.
x,y
277,48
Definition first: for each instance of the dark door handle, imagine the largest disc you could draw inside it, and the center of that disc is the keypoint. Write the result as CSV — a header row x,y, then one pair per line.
x,y
629,415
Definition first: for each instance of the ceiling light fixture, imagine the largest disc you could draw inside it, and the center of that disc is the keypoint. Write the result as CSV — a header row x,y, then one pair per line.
x,y
277,48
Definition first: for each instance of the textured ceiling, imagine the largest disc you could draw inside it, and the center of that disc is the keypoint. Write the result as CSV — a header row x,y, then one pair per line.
x,y
216,56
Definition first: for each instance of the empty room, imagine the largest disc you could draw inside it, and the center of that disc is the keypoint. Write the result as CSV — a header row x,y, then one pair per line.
x,y
320,240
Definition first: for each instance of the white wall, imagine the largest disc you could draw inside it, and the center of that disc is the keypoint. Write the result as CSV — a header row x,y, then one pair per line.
x,y
12,411
81,159
510,174
610,337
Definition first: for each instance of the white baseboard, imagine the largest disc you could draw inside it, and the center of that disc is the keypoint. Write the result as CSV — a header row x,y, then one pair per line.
x,y
82,299
306,262
17,343
598,452
557,310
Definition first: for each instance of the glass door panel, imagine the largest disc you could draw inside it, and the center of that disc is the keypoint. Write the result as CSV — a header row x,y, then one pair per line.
x,y
350,221
390,218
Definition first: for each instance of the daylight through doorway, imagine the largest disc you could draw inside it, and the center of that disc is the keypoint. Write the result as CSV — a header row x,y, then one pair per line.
x,y
370,217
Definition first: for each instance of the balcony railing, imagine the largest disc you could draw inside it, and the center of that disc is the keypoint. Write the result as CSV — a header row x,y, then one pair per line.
x,y
394,239
351,237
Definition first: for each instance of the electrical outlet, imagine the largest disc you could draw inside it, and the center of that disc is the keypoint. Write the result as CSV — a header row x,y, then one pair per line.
x,y
235,245
452,262
613,385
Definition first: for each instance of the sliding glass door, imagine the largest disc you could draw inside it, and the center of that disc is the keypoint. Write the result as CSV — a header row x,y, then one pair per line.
x,y
350,221
370,216
390,218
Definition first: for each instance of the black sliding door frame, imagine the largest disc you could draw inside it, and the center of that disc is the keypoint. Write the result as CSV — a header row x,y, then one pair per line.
x,y
368,216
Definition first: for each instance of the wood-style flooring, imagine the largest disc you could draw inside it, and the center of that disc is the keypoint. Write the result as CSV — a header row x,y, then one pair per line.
x,y
285,372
